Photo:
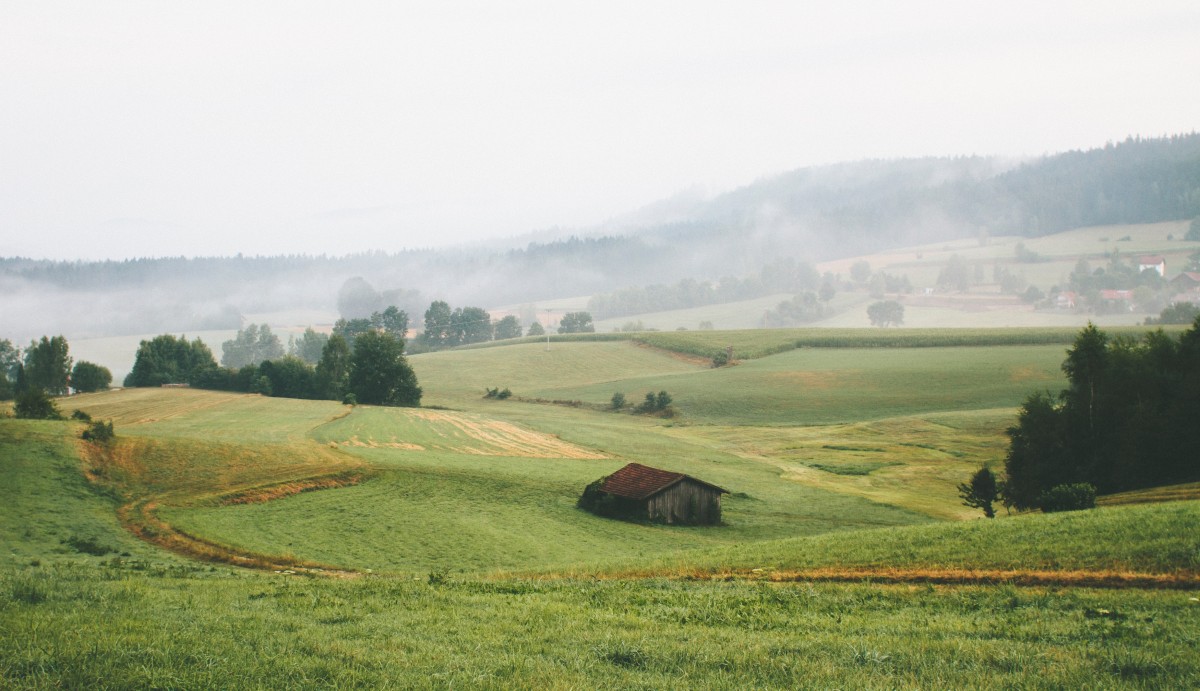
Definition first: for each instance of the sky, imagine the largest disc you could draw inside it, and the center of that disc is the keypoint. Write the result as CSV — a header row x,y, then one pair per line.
x,y
138,129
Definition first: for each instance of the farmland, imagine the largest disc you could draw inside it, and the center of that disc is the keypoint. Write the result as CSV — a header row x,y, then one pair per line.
x,y
462,560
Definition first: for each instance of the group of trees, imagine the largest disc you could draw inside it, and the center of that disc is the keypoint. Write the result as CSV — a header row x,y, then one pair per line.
x,y
447,328
374,370
44,370
576,323
46,366
252,345
802,309
1124,422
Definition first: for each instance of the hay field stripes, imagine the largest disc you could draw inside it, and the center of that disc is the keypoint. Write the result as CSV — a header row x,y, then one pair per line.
x,y
419,430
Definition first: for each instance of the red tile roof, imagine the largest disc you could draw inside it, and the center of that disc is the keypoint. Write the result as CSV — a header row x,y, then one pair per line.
x,y
637,481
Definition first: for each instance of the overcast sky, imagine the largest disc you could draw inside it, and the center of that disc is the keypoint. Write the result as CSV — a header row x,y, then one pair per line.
x,y
212,128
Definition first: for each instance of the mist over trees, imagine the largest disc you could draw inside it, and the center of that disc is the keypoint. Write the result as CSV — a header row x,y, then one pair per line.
x,y
252,345
447,328
807,215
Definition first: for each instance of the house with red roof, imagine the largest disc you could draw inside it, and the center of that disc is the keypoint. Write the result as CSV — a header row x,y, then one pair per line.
x,y
641,492
1156,262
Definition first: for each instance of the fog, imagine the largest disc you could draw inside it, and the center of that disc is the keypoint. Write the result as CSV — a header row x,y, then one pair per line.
x,y
136,129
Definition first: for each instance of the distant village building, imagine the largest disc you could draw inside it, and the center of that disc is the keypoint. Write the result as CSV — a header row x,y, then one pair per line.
x,y
1186,282
1114,299
1066,300
1156,262
641,492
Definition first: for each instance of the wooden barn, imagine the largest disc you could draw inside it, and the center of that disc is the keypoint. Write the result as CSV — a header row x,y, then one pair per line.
x,y
661,495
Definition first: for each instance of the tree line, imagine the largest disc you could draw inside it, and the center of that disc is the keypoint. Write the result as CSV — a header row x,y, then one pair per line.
x,y
373,370
1124,422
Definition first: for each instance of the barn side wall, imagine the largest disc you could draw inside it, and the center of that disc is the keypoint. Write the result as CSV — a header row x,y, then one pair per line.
x,y
686,502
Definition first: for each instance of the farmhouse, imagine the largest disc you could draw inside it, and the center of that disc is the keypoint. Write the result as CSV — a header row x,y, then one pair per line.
x,y
639,491
1156,263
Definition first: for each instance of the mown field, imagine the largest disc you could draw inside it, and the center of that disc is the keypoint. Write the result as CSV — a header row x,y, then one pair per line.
x,y
459,559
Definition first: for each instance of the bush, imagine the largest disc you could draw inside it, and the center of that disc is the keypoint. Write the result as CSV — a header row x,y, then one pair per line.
x,y
618,401
655,403
81,415
1073,497
34,404
720,359
99,432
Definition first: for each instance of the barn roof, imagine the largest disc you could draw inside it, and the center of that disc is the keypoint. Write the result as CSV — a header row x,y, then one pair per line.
x,y
637,481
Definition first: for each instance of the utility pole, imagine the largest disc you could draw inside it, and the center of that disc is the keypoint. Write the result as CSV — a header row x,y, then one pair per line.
x,y
547,329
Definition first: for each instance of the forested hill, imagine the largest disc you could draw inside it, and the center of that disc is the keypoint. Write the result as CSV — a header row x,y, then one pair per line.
x,y
809,214
873,205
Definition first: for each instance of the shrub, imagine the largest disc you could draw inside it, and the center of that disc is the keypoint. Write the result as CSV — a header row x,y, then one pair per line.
x,y
1073,497
81,415
720,359
34,404
99,432
618,401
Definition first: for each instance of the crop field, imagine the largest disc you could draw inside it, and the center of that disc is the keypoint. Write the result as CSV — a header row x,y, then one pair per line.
x,y
821,386
453,553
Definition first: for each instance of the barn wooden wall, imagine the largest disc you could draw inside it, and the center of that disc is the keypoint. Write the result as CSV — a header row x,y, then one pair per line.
x,y
686,502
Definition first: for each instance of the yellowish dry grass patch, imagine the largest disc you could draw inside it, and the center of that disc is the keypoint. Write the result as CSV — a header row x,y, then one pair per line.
x,y
447,431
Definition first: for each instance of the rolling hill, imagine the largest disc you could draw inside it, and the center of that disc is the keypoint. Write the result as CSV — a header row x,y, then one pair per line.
x,y
441,547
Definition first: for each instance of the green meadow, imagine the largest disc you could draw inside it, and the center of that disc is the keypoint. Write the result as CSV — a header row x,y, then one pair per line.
x,y
441,547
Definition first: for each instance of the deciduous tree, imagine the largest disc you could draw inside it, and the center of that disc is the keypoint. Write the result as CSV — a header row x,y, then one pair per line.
x,y
508,327
886,313
48,365
88,376
380,374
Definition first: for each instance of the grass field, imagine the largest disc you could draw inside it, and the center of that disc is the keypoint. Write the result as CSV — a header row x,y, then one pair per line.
x,y
464,562
80,613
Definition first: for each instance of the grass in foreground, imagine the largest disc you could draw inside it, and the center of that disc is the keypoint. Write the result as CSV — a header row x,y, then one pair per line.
x,y
1156,539
108,627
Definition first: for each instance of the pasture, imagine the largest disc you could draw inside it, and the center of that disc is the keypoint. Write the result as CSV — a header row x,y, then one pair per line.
x,y
463,561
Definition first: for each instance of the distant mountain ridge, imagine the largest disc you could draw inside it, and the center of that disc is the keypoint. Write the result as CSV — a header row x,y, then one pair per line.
x,y
809,214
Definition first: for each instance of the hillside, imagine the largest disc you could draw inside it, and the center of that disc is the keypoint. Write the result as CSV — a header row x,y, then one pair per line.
x,y
440,546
